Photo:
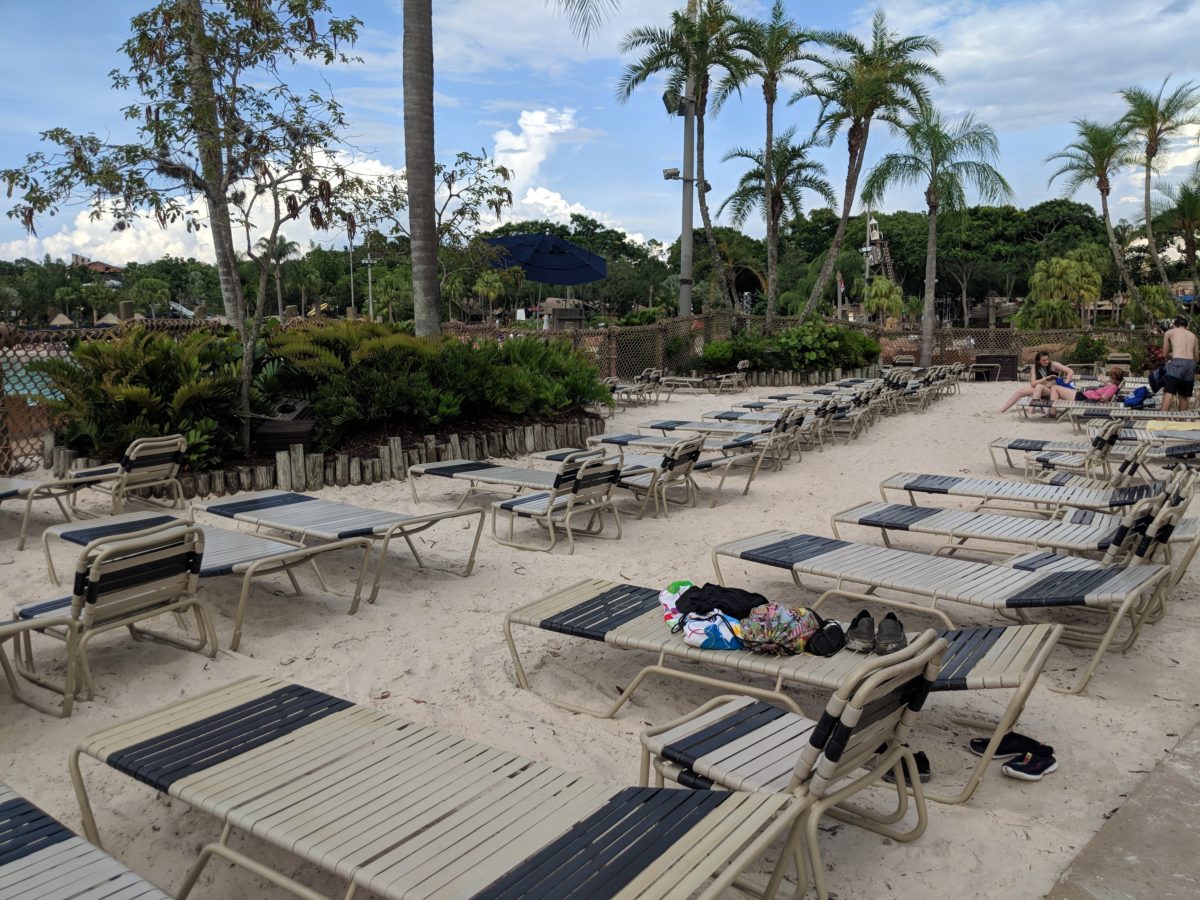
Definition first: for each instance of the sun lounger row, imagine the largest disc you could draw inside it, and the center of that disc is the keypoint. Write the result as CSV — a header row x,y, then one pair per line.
x,y
629,617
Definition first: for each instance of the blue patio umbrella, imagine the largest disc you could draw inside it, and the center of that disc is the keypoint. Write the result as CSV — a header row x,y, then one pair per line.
x,y
548,259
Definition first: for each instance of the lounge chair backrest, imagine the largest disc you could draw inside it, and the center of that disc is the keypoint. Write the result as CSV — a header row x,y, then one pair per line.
x,y
115,578
569,468
1178,495
152,461
595,479
875,705
1130,464
680,459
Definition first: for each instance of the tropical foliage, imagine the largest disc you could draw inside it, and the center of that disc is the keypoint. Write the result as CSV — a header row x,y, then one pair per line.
x,y
108,393
810,346
363,376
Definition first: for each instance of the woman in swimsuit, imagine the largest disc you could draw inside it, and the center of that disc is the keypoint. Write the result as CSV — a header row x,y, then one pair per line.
x,y
1044,374
1095,395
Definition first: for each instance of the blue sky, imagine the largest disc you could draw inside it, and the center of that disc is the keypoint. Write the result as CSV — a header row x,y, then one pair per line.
x,y
512,80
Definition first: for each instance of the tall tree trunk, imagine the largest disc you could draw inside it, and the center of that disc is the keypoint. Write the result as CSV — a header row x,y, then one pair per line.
x,y
718,259
966,307
212,166
927,310
1153,247
1118,255
856,143
1189,249
419,163
212,172
279,291
769,207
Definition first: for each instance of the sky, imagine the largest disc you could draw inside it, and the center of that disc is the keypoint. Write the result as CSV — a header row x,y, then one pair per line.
x,y
511,80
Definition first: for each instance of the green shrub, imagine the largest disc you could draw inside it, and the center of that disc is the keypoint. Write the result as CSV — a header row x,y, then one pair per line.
x,y
143,384
1087,350
812,345
362,376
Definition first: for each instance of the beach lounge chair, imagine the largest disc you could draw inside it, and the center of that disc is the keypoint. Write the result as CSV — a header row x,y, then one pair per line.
x,y
226,552
1080,418
629,617
1048,498
731,429
649,481
310,518
741,415
724,456
1036,580
119,583
42,858
588,494
738,745
1078,531
405,810
147,463
486,477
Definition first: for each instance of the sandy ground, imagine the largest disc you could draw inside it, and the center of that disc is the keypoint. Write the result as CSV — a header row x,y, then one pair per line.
x,y
432,650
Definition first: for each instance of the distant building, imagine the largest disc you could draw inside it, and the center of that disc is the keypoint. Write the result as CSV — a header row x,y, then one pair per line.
x,y
102,268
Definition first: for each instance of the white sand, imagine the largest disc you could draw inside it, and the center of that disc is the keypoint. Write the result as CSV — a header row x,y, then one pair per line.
x,y
434,644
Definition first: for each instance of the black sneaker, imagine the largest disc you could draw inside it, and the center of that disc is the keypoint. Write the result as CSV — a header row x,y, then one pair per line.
x,y
1012,744
890,636
923,771
1030,767
861,634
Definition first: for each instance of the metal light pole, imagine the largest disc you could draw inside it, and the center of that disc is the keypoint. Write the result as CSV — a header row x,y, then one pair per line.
x,y
350,250
368,262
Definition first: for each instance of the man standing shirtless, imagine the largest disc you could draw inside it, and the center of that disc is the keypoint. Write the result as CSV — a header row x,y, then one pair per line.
x,y
1179,347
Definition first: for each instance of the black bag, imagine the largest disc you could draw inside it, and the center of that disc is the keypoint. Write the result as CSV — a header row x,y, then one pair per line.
x,y
731,601
827,640
1157,379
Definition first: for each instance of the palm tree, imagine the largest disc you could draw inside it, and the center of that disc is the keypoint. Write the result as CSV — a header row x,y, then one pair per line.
x,y
791,173
1182,213
1155,120
698,47
882,80
775,49
1067,280
283,250
943,159
884,298
585,16
419,164
1097,154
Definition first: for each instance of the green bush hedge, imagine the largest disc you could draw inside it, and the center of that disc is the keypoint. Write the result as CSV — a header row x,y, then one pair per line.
x,y
361,376
810,346
147,383
357,375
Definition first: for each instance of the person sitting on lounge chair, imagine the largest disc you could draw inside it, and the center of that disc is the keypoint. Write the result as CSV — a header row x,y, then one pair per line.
x,y
1044,373
1096,395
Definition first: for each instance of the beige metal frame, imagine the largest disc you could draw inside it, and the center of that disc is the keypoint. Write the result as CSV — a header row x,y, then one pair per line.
x,y
117,608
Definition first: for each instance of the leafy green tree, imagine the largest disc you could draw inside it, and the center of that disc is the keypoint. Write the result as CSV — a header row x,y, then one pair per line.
x,y
1045,315
706,49
943,159
1097,154
1065,280
1180,210
775,194
150,293
276,254
883,298
217,119
1155,119
882,79
775,49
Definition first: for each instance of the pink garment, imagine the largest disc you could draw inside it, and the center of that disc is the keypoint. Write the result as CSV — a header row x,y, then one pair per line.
x,y
1101,394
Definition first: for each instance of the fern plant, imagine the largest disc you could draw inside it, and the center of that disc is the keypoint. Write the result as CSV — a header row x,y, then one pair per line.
x,y
109,393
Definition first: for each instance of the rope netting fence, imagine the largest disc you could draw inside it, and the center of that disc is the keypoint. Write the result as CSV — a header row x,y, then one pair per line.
x,y
621,351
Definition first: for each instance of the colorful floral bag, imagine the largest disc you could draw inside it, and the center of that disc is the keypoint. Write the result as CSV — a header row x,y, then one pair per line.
x,y
778,630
